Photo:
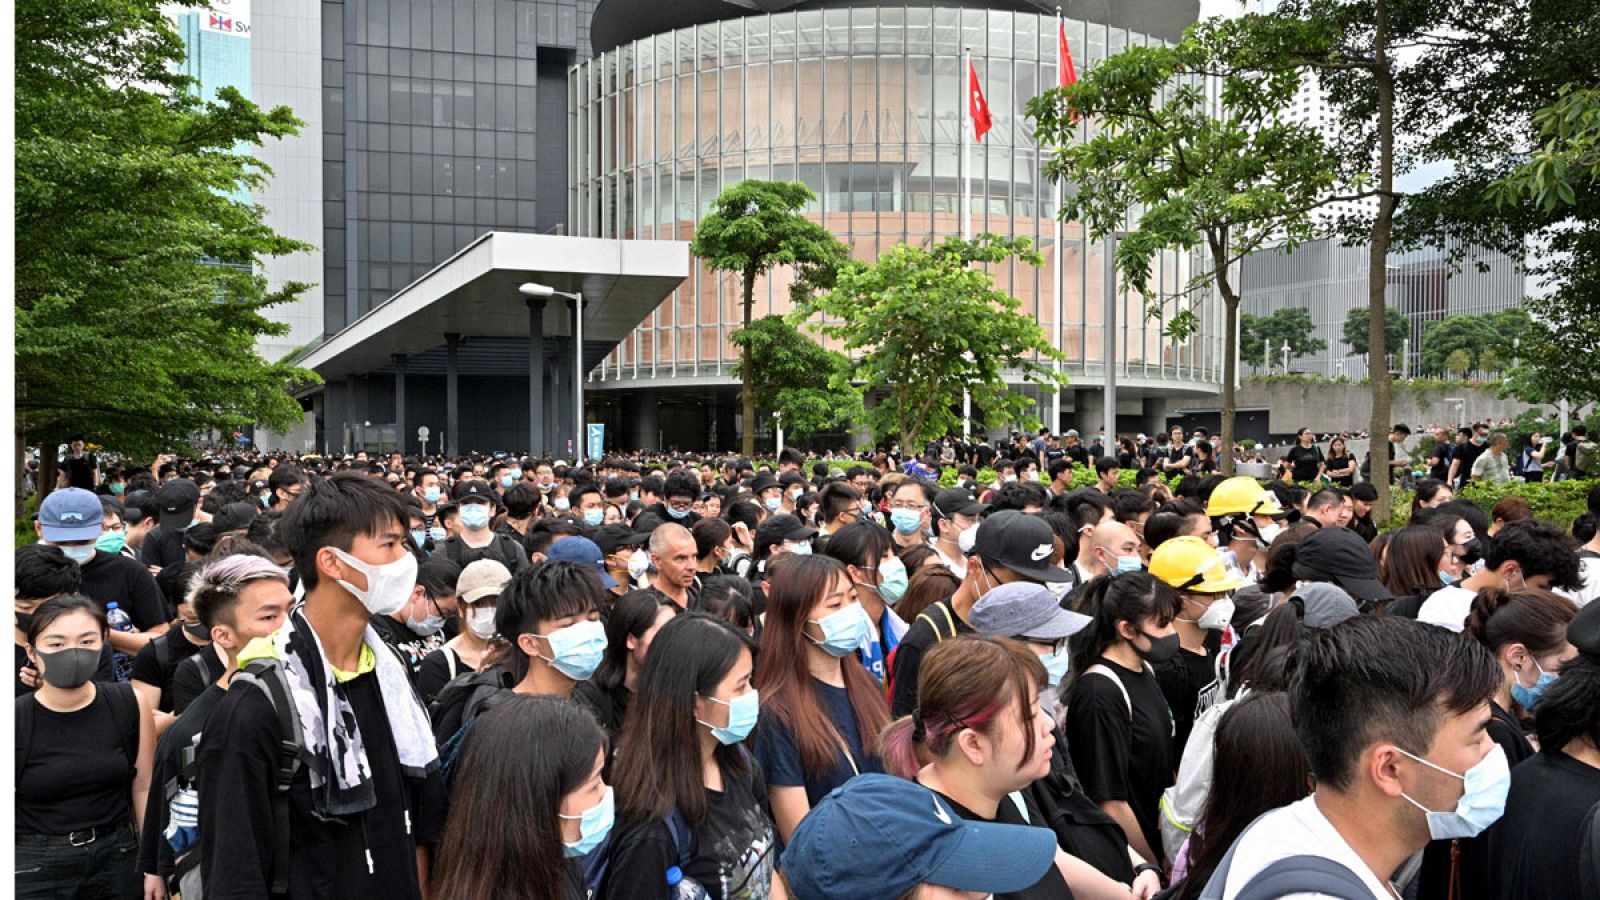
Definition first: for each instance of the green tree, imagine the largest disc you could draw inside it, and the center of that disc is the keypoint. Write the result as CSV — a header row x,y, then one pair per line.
x,y
1229,173
1294,326
925,324
1443,338
796,376
1358,329
754,227
1458,362
1489,360
138,298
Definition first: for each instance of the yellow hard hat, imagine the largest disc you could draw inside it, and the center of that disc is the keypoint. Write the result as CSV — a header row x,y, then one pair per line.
x,y
1242,494
1188,563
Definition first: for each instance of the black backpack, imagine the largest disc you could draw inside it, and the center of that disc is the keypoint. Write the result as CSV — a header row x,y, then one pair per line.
x,y
502,550
458,706
124,715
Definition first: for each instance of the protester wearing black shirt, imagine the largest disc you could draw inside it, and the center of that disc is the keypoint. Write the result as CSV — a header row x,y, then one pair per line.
x,y
80,469
1305,458
177,502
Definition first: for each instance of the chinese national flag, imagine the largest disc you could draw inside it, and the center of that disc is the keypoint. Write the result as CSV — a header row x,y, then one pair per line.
x,y
981,121
1064,68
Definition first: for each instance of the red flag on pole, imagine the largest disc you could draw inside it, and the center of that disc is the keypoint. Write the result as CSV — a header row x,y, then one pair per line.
x,y
981,122
1068,74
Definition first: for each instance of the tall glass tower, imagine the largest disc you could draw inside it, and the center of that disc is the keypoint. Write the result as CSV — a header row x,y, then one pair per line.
x,y
216,39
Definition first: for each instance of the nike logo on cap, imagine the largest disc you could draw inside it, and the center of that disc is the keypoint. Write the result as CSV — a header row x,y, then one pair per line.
x,y
1043,551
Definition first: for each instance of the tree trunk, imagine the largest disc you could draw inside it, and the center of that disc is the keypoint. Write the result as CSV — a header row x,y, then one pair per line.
x,y
746,373
49,466
1230,351
1378,268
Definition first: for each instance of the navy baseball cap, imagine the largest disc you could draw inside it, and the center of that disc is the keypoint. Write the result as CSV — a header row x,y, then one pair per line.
x,y
584,552
879,837
70,514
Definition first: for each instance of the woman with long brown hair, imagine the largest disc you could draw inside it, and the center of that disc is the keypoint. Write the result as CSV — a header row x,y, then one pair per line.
x,y
823,711
688,796
1411,565
532,768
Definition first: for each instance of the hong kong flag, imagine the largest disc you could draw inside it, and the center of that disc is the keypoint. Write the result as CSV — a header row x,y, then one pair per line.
x,y
981,121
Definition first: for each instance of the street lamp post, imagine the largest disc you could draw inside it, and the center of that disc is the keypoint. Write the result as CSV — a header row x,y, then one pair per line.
x,y
530,289
1286,356
777,420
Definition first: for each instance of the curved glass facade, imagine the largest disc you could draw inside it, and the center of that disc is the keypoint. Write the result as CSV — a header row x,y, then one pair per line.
x,y
864,105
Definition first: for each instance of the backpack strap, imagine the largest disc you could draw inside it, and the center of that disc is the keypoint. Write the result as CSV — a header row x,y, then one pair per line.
x,y
26,706
125,715
1305,874
268,677
950,622
1102,669
163,651
450,662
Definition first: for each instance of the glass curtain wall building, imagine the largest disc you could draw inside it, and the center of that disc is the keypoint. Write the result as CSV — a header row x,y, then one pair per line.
x,y
864,104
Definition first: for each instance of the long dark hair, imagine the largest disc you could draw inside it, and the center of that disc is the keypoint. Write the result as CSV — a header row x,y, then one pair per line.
x,y
658,755
60,605
522,758
1411,564
1109,599
631,616
1258,766
784,676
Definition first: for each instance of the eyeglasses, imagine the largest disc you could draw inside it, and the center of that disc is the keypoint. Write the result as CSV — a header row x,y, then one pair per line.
x,y
911,506
681,504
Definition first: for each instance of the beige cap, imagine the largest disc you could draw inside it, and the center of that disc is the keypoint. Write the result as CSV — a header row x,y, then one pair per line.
x,y
481,579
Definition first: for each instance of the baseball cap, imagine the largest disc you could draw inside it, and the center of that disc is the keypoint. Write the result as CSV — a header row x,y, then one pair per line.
x,y
235,516
584,552
1021,543
477,490
1340,555
762,482
880,836
782,527
70,514
177,499
1583,631
609,537
1325,605
481,578
1024,609
957,501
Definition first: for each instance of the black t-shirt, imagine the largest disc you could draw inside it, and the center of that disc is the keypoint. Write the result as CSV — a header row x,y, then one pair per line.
x,y
1465,455
435,672
918,640
1119,757
731,854
76,774
1051,886
191,679
1338,463
985,455
1189,682
609,706
779,755
1303,462
1077,453
1475,863
238,768
106,671
114,578
155,854
80,470
1439,461
147,665
412,647
1534,848
162,547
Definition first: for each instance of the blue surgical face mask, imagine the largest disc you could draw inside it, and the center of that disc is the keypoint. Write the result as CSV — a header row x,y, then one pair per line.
x,y
577,649
563,504
429,626
430,495
905,521
743,712
437,534
678,514
773,504
419,536
1127,564
798,548
475,516
843,630
515,475
507,481
593,517
593,826
1483,797
1056,665
892,579
1528,697
1446,579
79,555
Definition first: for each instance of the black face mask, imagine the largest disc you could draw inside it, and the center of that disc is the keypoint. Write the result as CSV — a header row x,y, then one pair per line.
x,y
198,631
1161,648
24,621
1472,551
69,668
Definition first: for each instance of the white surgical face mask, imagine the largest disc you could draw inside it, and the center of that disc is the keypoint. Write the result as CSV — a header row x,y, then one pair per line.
x,y
388,586
967,539
481,621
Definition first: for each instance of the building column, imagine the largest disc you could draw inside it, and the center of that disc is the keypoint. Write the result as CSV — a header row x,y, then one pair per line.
x,y
350,415
452,392
400,402
643,425
561,402
536,443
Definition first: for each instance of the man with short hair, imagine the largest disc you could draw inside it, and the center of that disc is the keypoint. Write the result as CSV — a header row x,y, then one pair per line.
x,y
377,804
1467,453
283,485
673,551
955,515
679,493
426,485
473,540
1392,717
910,513
1327,508
78,468
1108,471
1362,496
1526,553
839,505
1060,473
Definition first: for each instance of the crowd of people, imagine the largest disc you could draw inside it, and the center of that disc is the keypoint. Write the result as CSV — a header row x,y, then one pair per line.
x,y
1109,673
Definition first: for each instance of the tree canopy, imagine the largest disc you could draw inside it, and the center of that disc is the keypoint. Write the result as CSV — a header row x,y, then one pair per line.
x,y
139,294
1473,335
926,324
796,376
1396,327
1287,325
754,227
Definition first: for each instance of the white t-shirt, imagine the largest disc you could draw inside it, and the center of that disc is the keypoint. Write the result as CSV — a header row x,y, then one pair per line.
x,y
1447,608
1299,829
1589,574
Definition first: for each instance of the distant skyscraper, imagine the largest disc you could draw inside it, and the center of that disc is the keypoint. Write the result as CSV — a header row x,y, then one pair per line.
x,y
216,38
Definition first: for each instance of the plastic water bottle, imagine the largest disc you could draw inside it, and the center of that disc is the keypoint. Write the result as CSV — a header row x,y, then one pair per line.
x,y
122,663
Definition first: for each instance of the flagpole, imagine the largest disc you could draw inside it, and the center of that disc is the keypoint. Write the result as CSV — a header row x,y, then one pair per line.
x,y
966,149
1060,252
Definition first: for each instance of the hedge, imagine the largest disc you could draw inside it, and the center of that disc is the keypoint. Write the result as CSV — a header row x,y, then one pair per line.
x,y
1557,501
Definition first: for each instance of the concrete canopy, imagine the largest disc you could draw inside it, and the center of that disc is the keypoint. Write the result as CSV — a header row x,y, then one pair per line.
x,y
474,294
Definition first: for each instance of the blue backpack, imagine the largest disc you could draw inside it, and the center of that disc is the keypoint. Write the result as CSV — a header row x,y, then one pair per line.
x,y
599,859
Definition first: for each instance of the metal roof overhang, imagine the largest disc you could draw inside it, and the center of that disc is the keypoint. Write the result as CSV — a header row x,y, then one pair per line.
x,y
474,294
